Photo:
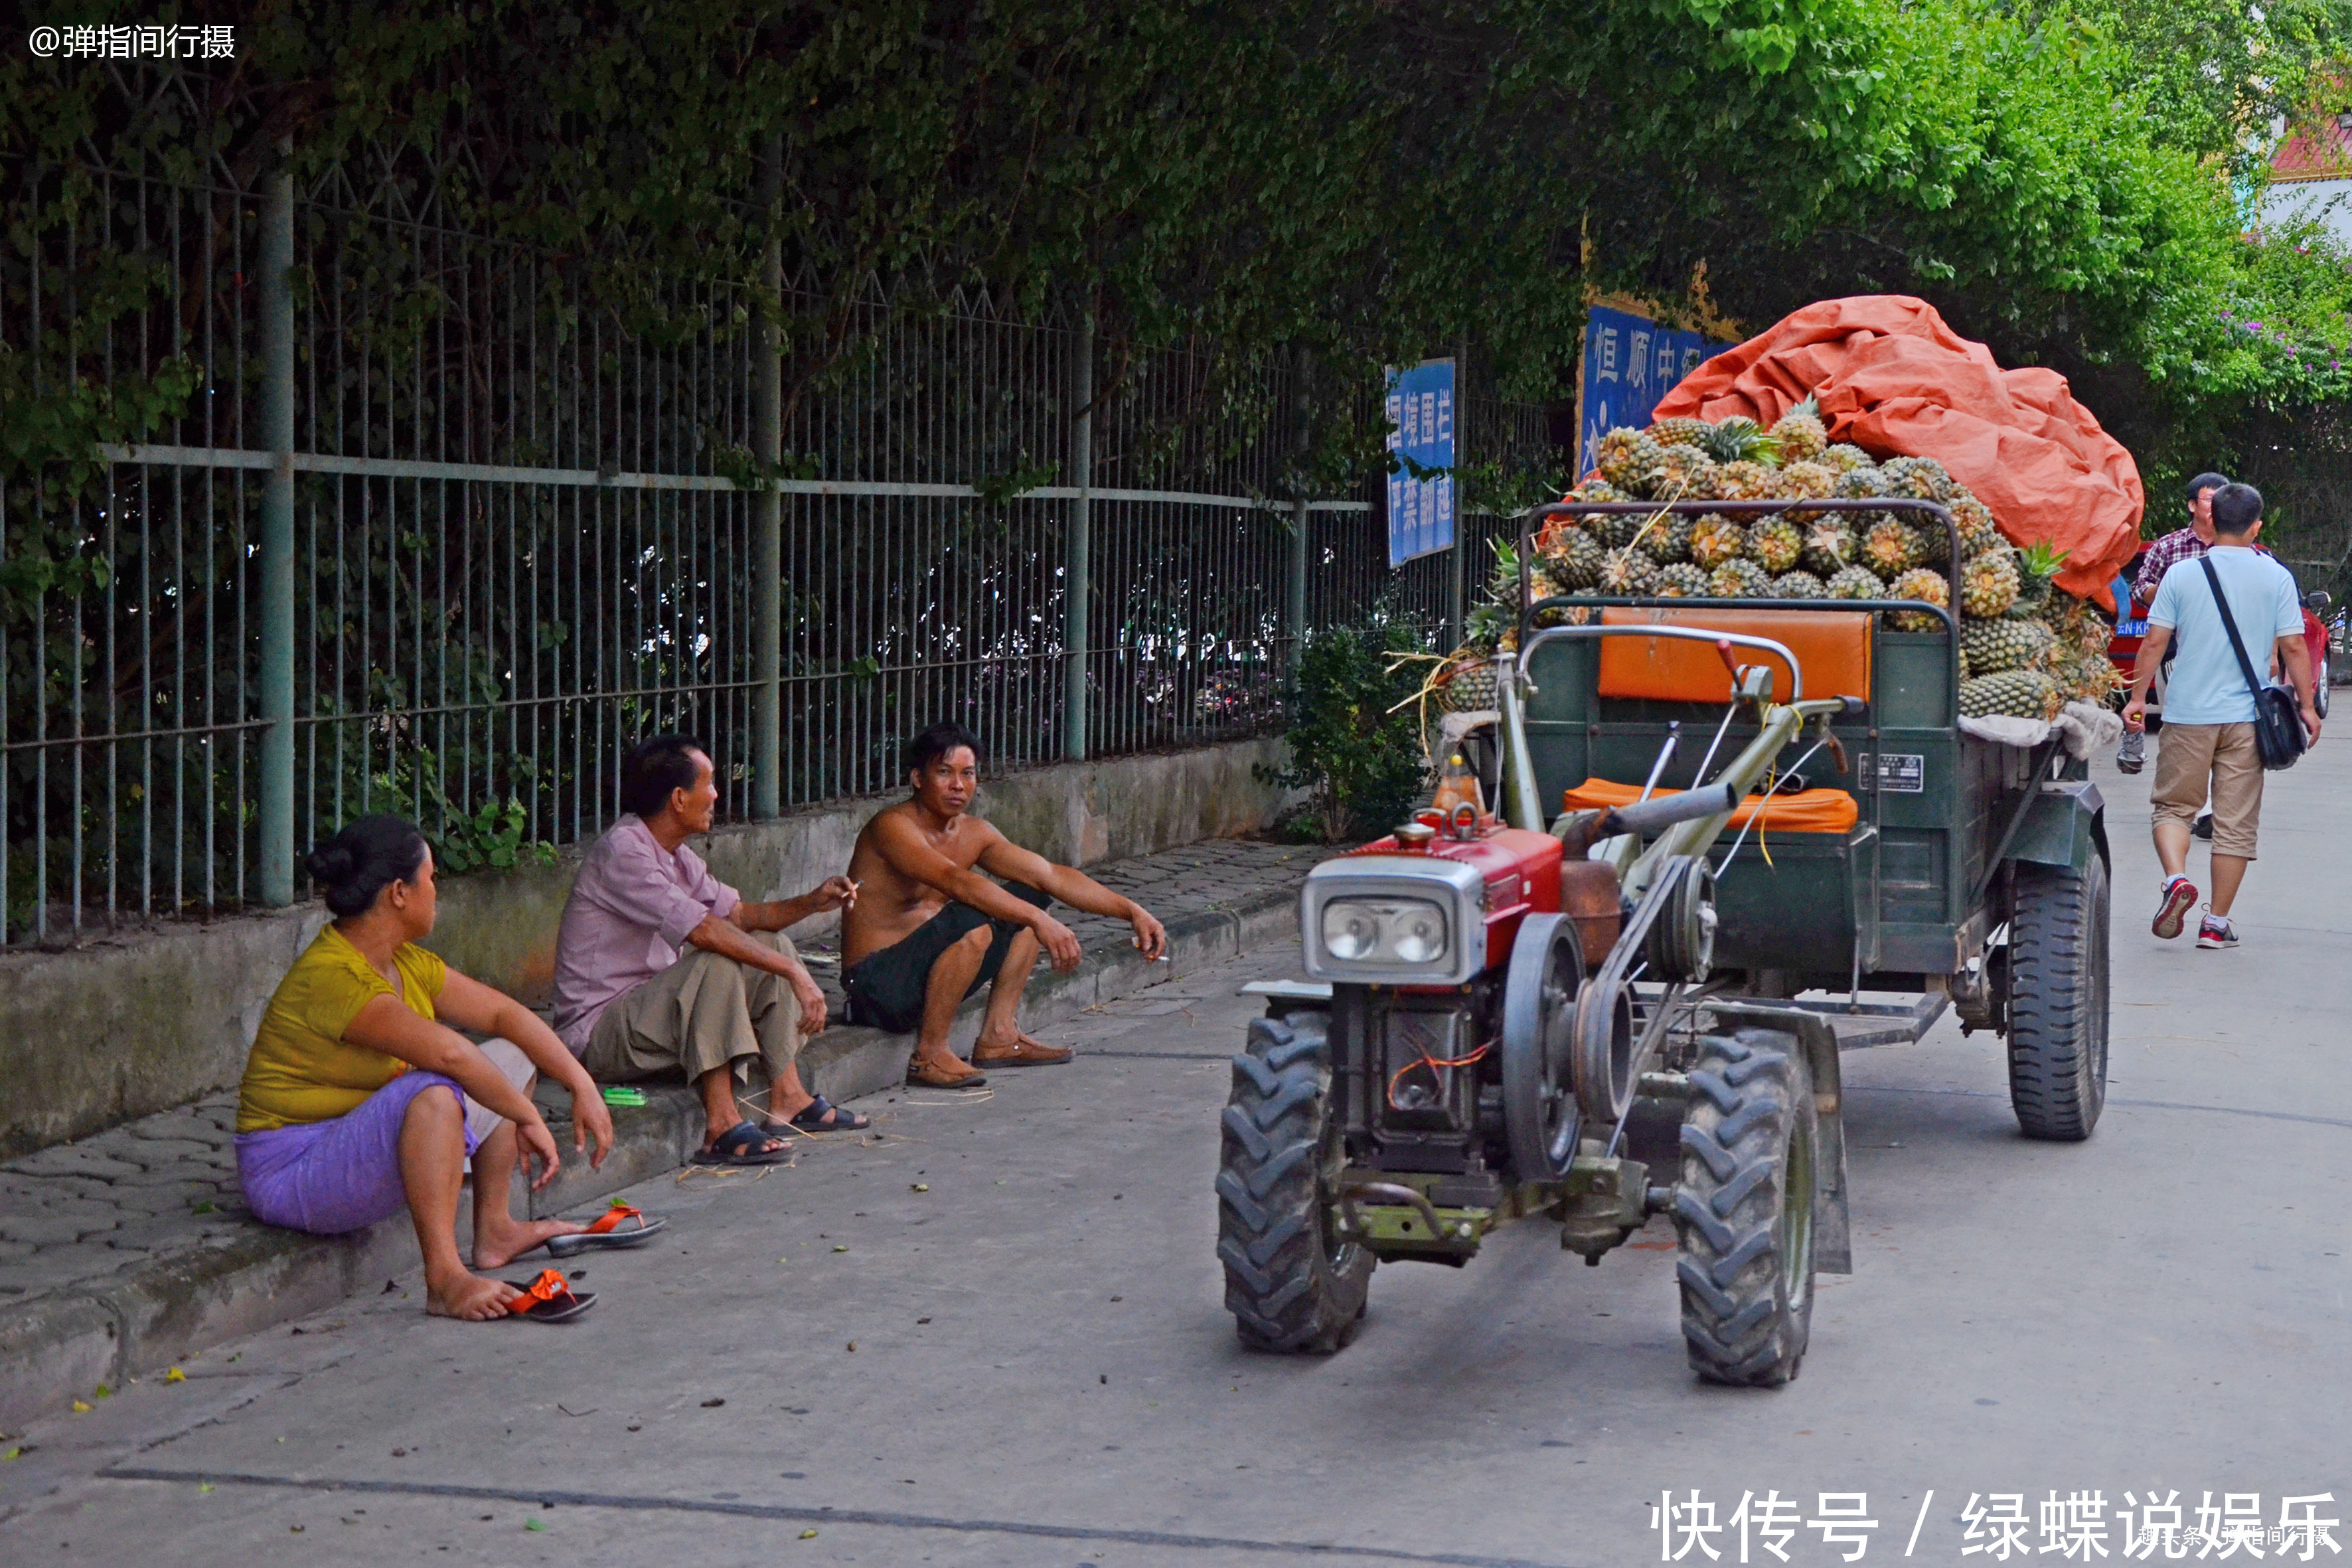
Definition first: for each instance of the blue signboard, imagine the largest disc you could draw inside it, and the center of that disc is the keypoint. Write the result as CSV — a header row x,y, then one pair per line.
x,y
1630,366
1420,432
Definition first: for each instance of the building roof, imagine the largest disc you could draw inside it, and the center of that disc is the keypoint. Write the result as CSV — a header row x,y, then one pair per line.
x,y
2318,151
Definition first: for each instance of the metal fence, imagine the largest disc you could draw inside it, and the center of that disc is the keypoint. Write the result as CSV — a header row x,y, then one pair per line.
x,y
440,528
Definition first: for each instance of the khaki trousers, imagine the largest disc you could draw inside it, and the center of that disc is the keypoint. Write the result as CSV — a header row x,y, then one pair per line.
x,y
703,1012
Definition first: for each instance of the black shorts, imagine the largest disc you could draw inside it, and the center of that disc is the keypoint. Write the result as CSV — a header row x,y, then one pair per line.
x,y
886,988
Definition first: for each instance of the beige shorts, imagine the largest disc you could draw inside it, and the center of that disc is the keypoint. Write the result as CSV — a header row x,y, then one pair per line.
x,y
2192,759
508,1058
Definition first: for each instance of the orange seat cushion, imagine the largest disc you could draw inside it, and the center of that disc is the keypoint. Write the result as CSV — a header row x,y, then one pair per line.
x,y
1832,647
1807,811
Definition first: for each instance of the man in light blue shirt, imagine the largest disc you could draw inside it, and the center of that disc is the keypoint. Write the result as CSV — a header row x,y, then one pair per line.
x,y
2209,707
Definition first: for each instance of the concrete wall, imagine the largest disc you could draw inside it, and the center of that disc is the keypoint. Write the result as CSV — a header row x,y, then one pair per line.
x,y
127,1026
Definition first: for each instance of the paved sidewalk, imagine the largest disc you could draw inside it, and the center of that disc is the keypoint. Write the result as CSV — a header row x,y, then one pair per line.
x,y
122,1253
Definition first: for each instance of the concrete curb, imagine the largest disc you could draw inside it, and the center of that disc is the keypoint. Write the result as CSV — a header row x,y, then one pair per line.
x,y
57,1347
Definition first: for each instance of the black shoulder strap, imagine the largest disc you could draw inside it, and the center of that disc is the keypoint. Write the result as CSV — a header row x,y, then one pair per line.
x,y
2229,624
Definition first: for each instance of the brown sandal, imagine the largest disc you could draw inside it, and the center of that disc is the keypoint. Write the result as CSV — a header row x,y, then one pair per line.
x,y
921,1077
1023,1053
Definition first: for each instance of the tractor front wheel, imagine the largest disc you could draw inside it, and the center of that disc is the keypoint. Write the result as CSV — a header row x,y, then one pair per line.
x,y
1294,1282
1744,1209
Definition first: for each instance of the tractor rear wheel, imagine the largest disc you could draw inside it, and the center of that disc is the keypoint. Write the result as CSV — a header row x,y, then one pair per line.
x,y
2058,1000
1293,1281
1744,1209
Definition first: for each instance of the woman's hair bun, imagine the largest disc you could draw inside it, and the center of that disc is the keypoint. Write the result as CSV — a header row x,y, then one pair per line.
x,y
331,862
362,859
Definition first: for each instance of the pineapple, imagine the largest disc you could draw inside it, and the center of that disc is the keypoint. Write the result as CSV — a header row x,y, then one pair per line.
x,y
1863,483
1684,473
1892,547
1845,458
1989,585
1541,586
1799,432
1775,544
1681,581
1580,618
2018,693
1978,532
1626,574
1481,633
1805,481
1628,459
1992,647
1829,546
1935,540
2036,565
1679,433
1856,583
1667,537
1574,559
1918,584
1502,583
1738,439
1743,480
1624,528
1921,478
1740,579
1715,540
1798,585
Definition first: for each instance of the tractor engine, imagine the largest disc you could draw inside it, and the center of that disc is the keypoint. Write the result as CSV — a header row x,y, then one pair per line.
x,y
1414,931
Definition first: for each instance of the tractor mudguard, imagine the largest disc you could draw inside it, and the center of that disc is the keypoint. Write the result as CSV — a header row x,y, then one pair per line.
x,y
2065,826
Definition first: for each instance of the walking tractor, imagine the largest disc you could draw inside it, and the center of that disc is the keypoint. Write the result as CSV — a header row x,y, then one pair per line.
x,y
1737,837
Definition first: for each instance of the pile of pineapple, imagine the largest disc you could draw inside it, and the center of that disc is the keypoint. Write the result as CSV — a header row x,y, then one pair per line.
x,y
2026,649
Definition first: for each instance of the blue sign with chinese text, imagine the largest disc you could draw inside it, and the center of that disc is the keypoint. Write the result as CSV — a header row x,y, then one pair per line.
x,y
1630,366
1420,436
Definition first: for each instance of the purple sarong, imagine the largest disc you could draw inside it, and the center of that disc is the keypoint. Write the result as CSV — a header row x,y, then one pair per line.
x,y
341,1175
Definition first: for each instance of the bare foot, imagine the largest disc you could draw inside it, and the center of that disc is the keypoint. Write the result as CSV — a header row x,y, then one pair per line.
x,y
470,1298
496,1249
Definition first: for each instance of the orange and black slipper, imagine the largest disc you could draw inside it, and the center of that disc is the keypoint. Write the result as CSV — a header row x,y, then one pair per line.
x,y
612,1229
548,1299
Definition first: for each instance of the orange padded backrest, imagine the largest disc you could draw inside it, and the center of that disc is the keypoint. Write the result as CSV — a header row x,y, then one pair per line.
x,y
1807,811
1831,646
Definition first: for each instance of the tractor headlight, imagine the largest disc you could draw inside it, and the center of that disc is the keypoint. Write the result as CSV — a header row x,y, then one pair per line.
x,y
1385,931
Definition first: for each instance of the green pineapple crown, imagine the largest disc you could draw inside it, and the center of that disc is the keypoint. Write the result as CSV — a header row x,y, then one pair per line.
x,y
1737,437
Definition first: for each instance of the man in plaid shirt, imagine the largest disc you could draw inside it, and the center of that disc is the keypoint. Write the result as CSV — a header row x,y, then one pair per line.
x,y
2181,545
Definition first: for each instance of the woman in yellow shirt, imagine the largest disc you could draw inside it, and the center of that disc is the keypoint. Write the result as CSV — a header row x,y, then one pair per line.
x,y
339,1123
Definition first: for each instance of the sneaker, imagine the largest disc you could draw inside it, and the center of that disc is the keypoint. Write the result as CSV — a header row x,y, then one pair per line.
x,y
2216,932
2132,755
2179,897
2202,827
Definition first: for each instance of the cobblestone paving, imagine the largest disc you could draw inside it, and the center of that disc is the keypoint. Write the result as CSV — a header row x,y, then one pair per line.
x,y
79,1213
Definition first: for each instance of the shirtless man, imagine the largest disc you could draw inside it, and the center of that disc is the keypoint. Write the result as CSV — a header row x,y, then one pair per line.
x,y
928,929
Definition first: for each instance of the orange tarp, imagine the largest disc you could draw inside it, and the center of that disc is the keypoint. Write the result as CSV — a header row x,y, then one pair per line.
x,y
1807,811
1896,381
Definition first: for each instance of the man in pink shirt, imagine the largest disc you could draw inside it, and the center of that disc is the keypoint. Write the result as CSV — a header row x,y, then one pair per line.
x,y
630,1002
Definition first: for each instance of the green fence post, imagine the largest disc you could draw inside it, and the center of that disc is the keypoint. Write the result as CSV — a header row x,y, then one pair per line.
x,y
767,514
276,566
1079,584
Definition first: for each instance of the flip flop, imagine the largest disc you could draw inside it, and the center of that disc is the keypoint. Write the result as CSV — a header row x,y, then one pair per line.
x,y
810,1118
607,1232
548,1299
739,1145
922,1078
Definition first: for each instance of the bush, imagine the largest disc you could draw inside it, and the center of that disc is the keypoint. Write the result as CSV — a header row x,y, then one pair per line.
x,y
1360,762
